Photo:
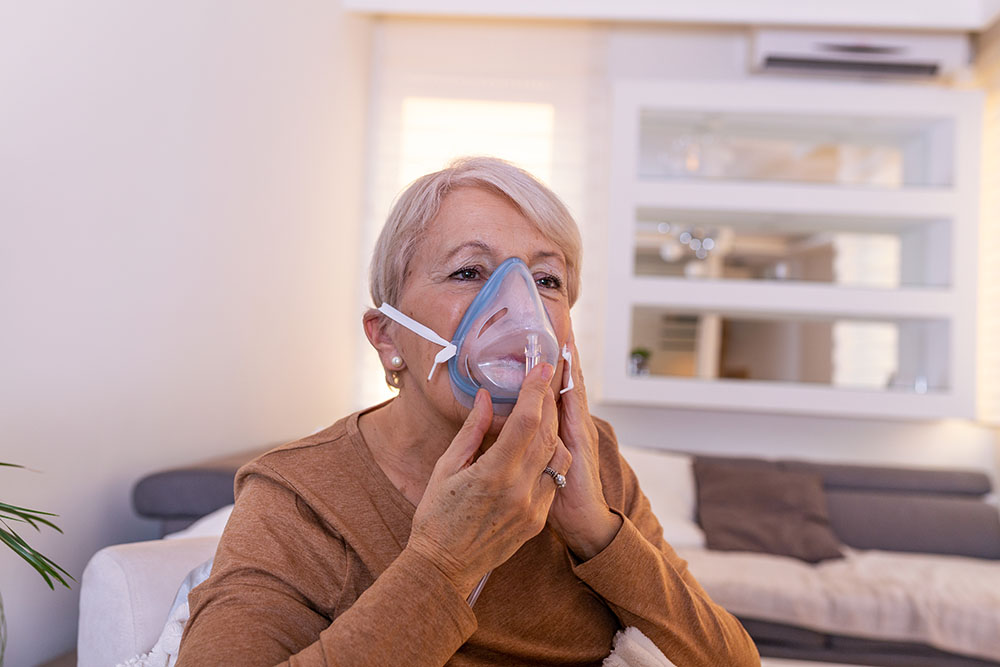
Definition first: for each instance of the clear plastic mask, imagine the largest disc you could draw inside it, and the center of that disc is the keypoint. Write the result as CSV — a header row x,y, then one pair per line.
x,y
504,333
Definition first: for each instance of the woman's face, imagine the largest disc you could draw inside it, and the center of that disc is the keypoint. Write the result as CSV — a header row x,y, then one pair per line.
x,y
474,231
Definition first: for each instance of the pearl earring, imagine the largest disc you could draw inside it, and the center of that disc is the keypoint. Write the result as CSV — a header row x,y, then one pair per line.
x,y
396,361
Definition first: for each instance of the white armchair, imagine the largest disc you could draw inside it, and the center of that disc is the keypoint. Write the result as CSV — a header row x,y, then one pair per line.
x,y
126,593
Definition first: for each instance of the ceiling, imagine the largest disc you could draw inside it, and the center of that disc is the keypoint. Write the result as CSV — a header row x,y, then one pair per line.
x,y
938,15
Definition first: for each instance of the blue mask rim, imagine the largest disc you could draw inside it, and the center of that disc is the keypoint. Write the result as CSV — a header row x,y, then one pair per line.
x,y
489,290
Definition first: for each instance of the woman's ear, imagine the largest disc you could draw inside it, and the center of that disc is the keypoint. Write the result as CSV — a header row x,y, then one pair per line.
x,y
377,330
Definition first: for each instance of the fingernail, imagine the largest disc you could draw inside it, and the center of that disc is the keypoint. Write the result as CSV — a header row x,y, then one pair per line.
x,y
547,371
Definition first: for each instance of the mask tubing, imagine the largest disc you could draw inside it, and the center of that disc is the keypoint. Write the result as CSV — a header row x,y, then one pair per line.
x,y
532,353
474,595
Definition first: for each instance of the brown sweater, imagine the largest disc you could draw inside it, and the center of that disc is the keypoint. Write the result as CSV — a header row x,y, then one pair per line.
x,y
312,570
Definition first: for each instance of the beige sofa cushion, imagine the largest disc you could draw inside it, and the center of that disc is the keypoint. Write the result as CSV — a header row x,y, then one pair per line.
x,y
949,602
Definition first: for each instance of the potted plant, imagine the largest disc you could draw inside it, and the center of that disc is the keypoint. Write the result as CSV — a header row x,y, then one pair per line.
x,y
49,571
638,362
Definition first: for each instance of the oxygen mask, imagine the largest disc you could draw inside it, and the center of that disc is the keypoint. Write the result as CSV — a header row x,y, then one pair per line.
x,y
504,333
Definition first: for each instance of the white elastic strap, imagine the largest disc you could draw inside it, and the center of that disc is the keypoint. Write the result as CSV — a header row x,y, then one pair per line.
x,y
568,356
444,355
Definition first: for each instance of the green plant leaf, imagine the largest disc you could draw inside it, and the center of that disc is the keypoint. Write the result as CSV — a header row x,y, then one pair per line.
x,y
29,516
27,554
44,566
44,558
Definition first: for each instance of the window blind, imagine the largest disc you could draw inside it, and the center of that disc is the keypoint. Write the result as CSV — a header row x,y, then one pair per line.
x,y
445,89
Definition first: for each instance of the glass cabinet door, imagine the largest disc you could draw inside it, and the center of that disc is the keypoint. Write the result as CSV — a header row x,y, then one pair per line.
x,y
872,252
864,151
877,355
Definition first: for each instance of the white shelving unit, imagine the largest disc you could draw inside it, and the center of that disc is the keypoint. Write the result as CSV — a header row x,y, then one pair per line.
x,y
832,169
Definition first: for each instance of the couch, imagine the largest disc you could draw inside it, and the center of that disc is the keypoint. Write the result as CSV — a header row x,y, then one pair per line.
x,y
915,582
905,535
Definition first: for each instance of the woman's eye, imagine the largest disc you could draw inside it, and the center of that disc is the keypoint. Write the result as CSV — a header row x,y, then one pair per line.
x,y
548,282
467,273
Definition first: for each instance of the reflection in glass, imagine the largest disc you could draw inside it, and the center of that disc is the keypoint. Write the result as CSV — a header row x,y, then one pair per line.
x,y
733,246
905,355
849,151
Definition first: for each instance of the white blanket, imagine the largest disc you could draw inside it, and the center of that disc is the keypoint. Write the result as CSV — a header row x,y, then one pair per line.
x,y
949,602
165,650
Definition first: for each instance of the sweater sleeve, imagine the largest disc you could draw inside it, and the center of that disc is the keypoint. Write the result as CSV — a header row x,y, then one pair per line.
x,y
276,583
647,585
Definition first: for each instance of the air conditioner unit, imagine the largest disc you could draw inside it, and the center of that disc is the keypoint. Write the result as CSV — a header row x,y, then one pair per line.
x,y
860,52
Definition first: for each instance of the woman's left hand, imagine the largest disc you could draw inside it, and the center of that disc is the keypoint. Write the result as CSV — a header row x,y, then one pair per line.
x,y
579,512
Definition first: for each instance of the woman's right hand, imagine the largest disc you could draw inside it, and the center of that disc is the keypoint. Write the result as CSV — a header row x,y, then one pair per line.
x,y
474,516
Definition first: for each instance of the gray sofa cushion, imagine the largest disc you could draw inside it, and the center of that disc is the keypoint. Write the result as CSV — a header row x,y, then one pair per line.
x,y
783,635
915,523
180,496
873,656
778,640
183,493
901,654
920,480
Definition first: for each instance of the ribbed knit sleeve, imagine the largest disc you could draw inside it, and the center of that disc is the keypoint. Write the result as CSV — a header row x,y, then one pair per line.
x,y
647,585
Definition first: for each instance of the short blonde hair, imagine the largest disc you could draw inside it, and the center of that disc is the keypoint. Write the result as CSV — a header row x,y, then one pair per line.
x,y
420,202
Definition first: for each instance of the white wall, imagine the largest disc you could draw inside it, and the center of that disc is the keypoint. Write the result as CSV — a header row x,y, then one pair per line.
x,y
179,195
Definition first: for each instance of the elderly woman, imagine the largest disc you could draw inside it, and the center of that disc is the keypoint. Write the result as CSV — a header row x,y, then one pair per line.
x,y
368,542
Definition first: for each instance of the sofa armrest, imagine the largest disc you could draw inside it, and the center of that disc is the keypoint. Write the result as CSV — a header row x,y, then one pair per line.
x,y
126,593
179,496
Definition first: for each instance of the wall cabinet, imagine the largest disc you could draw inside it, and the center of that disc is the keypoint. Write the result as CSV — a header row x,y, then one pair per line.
x,y
793,247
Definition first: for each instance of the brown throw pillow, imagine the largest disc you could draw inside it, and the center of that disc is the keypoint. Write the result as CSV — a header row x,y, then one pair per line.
x,y
764,509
